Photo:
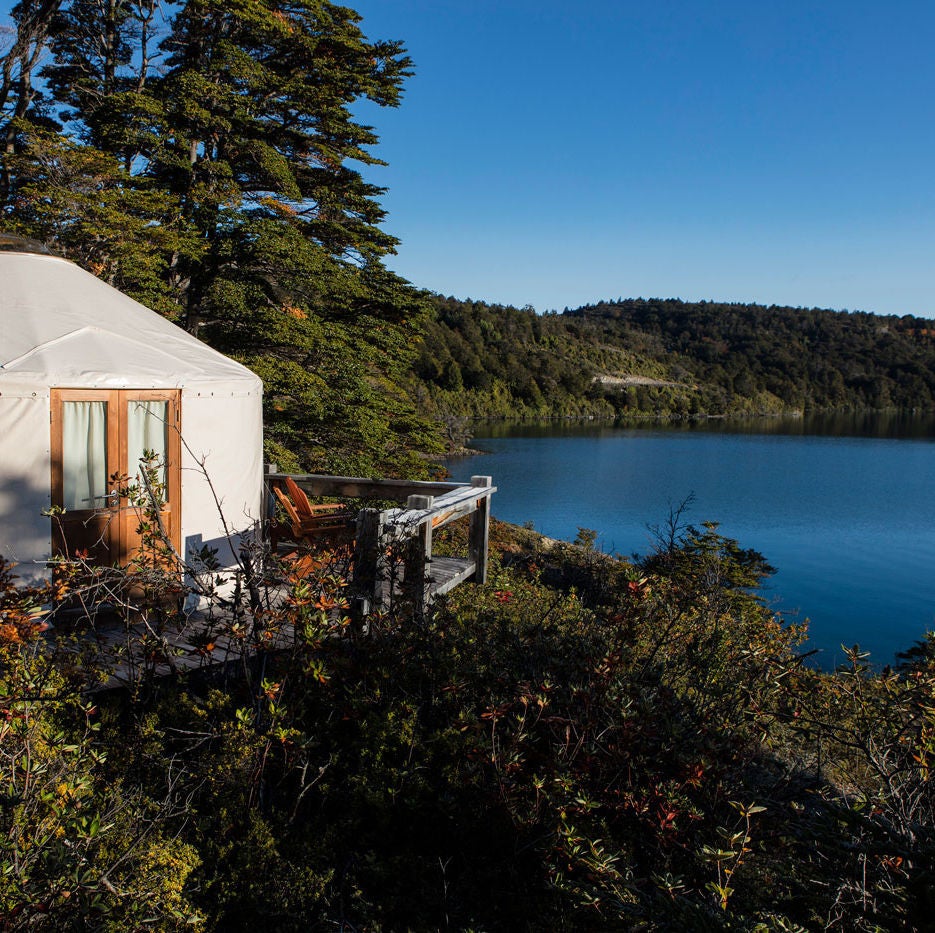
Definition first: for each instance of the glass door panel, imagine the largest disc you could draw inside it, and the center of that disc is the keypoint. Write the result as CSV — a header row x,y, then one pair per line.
x,y
150,426
147,432
84,455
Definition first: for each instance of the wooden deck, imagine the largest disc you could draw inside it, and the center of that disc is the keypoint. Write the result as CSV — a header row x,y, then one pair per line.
x,y
391,567
138,650
393,556
445,573
201,641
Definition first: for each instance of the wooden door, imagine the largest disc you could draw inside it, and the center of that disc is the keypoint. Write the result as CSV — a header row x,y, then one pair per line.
x,y
98,437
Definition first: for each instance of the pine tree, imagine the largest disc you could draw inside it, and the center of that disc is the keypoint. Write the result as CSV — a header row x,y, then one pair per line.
x,y
210,165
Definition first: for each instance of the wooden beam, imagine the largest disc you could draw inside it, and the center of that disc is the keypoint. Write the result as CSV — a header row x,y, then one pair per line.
x,y
452,501
355,487
479,537
269,501
368,572
419,556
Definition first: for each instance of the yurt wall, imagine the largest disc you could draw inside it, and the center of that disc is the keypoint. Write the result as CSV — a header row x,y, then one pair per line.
x,y
70,342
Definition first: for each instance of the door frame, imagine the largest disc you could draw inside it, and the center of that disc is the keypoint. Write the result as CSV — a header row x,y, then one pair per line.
x,y
121,525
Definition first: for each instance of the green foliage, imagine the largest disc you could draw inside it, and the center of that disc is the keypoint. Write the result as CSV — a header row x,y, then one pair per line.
x,y
875,738
81,200
654,358
805,359
586,538
81,846
577,744
208,169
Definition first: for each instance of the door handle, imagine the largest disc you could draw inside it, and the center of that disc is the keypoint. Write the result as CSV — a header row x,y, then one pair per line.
x,y
108,495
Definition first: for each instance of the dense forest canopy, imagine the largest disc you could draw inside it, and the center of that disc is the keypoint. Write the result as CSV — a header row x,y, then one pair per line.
x,y
204,157
669,358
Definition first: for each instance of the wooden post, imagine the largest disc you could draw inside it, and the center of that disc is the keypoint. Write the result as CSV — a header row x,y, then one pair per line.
x,y
419,556
479,537
269,500
368,580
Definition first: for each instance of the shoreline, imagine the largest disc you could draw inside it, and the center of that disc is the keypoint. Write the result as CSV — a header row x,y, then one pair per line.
x,y
795,416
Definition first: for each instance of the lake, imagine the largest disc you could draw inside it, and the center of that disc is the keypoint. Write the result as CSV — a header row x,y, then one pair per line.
x,y
843,507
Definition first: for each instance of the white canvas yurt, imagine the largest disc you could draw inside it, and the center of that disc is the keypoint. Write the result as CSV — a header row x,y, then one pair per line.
x,y
89,379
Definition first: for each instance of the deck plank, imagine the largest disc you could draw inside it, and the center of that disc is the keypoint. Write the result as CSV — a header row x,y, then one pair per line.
x,y
445,573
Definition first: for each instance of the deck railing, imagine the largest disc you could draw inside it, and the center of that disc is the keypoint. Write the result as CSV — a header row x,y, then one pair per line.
x,y
393,546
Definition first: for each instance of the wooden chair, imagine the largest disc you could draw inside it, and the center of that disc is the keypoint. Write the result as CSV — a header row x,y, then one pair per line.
x,y
312,524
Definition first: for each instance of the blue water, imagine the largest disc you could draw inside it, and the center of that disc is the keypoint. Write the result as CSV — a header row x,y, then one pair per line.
x,y
843,508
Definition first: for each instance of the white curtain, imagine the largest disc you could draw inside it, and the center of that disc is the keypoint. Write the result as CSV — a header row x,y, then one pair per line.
x,y
84,454
146,430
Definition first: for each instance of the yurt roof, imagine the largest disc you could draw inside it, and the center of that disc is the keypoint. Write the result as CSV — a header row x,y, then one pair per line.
x,y
61,326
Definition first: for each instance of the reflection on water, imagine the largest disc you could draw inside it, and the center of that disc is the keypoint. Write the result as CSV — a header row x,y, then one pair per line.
x,y
896,425
842,505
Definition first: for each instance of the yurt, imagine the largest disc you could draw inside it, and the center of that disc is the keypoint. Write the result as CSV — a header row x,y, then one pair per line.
x,y
89,380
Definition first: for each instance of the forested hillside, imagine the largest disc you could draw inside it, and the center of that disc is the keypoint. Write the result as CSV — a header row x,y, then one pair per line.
x,y
672,358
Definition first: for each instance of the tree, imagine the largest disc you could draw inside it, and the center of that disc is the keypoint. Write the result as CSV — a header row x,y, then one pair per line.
x,y
17,91
83,201
223,188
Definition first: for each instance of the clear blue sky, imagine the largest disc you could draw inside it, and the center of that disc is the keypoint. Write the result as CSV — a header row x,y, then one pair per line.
x,y
554,153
